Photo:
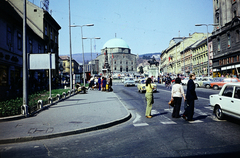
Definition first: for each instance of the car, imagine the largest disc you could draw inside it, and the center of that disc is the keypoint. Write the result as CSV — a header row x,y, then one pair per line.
x,y
217,85
197,81
204,79
129,81
185,80
227,102
142,86
206,84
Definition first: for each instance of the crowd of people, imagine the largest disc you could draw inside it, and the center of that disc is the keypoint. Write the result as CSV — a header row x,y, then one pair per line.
x,y
101,83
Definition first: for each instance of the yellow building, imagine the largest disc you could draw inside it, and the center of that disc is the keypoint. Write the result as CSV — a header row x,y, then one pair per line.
x,y
178,53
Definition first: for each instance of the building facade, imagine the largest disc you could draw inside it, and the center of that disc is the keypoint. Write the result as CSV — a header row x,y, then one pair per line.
x,y
39,39
177,59
226,38
118,55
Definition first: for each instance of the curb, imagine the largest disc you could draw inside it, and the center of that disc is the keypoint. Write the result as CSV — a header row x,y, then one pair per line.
x,y
67,133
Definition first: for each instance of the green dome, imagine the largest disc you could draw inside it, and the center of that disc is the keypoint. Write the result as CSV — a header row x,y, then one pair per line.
x,y
115,43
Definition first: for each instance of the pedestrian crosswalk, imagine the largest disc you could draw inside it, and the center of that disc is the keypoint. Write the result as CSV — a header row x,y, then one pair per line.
x,y
201,116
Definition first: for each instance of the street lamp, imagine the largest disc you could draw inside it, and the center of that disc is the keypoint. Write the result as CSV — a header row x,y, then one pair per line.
x,y
82,47
91,48
207,42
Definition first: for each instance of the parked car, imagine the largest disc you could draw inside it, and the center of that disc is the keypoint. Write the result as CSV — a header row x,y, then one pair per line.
x,y
129,81
204,79
217,85
142,86
227,102
206,84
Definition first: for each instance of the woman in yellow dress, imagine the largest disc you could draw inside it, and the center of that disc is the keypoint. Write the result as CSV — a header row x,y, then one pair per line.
x,y
149,97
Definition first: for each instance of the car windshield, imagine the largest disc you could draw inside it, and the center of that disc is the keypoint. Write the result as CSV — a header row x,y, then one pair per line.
x,y
131,79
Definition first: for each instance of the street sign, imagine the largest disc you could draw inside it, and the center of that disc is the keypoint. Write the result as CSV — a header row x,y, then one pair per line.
x,y
41,61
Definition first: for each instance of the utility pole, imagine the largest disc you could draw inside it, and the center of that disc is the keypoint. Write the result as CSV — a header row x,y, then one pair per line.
x,y
25,69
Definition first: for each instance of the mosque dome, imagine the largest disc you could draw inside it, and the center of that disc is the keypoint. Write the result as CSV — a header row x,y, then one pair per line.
x,y
115,43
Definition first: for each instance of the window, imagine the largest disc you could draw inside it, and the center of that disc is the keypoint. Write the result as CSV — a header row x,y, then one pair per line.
x,y
56,39
229,40
30,46
219,44
120,62
237,36
39,48
3,75
9,38
228,91
46,30
237,92
19,41
45,49
51,34
126,62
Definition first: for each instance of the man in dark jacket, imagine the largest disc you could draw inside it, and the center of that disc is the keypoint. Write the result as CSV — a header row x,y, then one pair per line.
x,y
190,96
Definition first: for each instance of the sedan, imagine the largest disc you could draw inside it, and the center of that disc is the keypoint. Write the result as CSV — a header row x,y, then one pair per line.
x,y
206,84
129,81
142,86
227,102
217,85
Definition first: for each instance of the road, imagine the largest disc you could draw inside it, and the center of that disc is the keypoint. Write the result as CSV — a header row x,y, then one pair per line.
x,y
160,136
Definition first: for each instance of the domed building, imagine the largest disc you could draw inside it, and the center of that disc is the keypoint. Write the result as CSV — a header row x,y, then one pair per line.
x,y
116,56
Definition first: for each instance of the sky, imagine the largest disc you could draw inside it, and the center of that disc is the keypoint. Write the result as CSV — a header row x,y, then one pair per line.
x,y
147,26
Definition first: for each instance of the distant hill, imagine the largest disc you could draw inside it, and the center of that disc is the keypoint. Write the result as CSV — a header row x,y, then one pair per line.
x,y
87,57
150,55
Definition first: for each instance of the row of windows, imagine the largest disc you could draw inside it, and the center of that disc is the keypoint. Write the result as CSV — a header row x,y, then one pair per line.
x,y
229,41
115,62
229,60
51,33
121,69
20,44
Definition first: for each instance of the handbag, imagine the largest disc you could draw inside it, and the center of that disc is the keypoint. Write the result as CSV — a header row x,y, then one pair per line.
x,y
171,103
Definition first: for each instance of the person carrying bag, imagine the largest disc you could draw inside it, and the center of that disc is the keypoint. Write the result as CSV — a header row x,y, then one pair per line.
x,y
177,94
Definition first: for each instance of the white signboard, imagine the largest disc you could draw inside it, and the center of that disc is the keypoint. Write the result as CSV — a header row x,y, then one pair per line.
x,y
41,61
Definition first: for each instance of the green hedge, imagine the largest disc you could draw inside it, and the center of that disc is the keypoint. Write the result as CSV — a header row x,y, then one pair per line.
x,y
13,106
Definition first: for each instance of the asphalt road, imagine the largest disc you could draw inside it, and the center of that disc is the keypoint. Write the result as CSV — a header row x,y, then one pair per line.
x,y
160,136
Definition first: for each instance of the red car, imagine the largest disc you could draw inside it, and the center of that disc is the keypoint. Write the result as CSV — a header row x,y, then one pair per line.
x,y
217,85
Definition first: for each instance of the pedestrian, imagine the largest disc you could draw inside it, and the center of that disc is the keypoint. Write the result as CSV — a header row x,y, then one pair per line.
x,y
104,82
99,83
149,97
190,96
177,94
110,84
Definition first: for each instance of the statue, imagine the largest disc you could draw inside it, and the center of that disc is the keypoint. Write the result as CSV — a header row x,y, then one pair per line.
x,y
153,61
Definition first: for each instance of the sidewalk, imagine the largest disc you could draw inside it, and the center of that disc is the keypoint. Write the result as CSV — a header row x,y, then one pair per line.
x,y
78,114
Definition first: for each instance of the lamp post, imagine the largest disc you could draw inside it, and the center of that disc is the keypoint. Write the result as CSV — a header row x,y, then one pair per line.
x,y
70,58
82,47
91,48
207,42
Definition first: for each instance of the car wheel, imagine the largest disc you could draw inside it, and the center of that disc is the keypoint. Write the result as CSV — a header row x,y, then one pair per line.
x,y
196,85
215,87
207,86
218,113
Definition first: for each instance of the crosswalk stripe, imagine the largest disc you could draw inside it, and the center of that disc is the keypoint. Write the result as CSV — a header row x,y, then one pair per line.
x,y
140,124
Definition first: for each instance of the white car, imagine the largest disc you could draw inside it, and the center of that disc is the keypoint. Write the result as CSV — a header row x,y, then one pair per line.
x,y
185,81
227,102
129,81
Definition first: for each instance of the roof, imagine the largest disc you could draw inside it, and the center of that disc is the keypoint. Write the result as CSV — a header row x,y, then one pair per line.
x,y
115,43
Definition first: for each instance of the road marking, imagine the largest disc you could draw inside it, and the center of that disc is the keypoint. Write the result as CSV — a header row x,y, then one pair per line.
x,y
137,118
208,107
166,120
196,121
140,124
154,112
